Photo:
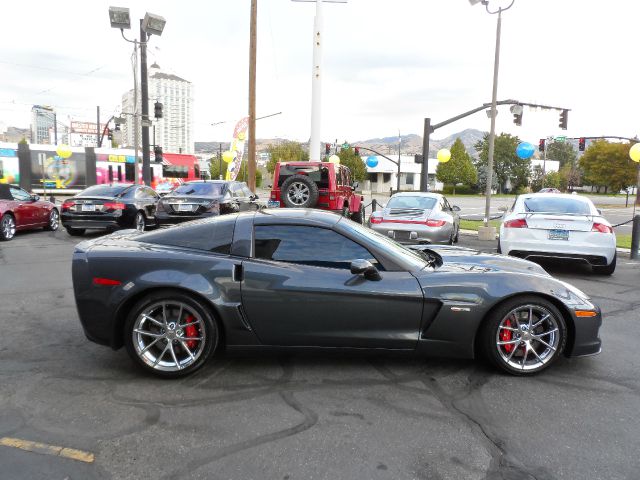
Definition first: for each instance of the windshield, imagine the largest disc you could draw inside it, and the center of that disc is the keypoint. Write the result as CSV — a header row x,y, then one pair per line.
x,y
557,205
424,203
103,191
199,189
391,247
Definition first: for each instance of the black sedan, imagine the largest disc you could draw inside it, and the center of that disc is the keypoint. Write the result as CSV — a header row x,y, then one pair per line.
x,y
206,198
110,207
299,279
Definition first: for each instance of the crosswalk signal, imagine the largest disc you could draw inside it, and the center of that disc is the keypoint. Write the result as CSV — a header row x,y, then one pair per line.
x,y
357,150
157,151
541,145
109,134
582,143
564,114
327,148
517,114
157,110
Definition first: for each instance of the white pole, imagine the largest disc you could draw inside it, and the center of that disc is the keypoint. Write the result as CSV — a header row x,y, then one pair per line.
x,y
316,87
136,130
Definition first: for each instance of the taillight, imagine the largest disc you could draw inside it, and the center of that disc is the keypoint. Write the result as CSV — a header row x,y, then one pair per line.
x,y
114,206
435,223
516,223
602,228
105,282
375,219
68,204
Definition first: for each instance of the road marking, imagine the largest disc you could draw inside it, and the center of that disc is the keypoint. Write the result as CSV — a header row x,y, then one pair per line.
x,y
44,449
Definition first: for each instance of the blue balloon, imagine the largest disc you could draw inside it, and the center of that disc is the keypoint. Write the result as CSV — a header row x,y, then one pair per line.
x,y
525,150
372,161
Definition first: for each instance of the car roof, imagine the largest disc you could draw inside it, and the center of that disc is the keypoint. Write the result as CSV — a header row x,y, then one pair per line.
x,y
417,194
293,215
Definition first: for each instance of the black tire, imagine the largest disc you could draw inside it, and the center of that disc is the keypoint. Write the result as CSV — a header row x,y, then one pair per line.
x,y
457,237
606,269
54,221
7,227
208,332
75,232
299,191
499,249
140,221
517,359
345,212
358,217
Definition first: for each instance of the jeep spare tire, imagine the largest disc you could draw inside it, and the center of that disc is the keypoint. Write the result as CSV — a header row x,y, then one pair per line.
x,y
299,191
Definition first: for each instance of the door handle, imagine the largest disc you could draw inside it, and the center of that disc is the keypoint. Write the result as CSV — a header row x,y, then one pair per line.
x,y
237,273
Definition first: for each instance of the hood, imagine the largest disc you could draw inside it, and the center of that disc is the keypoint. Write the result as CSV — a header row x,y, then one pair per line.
x,y
468,260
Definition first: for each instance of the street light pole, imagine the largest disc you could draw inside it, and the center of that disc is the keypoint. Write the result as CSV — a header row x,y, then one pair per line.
x,y
253,40
144,90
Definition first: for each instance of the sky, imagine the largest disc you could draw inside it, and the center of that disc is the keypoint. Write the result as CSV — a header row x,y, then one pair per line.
x,y
387,64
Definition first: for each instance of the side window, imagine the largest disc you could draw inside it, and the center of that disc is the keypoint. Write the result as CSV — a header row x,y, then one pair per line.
x,y
209,235
447,207
19,194
314,246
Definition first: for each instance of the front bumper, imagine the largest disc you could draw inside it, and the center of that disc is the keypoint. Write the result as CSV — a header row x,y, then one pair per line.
x,y
586,340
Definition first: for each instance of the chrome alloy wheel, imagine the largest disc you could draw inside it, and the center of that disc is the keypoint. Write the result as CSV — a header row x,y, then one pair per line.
x,y
54,220
528,337
8,227
140,222
169,336
298,193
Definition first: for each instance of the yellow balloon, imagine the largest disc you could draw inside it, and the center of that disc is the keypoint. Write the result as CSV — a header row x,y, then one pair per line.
x,y
444,155
334,159
64,151
241,136
227,156
634,152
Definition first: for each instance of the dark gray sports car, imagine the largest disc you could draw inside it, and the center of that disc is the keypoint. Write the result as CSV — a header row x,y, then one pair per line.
x,y
307,279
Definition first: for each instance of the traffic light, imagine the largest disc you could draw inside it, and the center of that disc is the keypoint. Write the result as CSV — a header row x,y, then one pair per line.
x,y
327,148
157,110
564,114
541,145
117,127
582,143
517,114
157,151
109,134
357,150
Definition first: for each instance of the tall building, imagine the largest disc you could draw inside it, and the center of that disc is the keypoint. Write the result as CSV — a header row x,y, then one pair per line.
x,y
174,131
43,119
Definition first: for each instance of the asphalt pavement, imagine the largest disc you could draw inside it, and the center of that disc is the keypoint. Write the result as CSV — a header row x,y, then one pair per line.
x,y
303,416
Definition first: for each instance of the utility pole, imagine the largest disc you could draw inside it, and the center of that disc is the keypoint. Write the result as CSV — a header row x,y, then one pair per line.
x,y
144,87
424,176
253,37
98,145
399,149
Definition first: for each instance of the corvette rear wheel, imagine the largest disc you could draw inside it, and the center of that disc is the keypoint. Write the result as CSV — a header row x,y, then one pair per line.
x,y
524,335
170,334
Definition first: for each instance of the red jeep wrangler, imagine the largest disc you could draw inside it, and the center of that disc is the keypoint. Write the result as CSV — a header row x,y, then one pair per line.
x,y
322,185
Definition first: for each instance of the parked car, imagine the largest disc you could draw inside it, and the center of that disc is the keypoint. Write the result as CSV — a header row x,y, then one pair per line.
x,y
418,217
542,226
322,185
206,198
110,207
20,210
303,279
549,190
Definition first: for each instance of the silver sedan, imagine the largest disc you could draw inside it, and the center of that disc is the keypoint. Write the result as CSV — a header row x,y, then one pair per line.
x,y
418,217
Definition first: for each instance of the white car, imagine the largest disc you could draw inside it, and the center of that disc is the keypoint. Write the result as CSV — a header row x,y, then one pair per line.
x,y
543,226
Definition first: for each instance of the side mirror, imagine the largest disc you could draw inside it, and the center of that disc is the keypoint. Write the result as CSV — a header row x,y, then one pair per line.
x,y
269,186
455,208
355,185
365,268
599,211
35,198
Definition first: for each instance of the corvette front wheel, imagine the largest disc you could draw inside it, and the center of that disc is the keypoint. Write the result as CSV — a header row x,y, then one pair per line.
x,y
170,334
524,335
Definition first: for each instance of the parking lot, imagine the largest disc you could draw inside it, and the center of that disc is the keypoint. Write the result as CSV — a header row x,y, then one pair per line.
x,y
303,416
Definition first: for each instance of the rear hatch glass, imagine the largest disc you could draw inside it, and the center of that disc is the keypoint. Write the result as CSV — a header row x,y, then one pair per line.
x,y
557,213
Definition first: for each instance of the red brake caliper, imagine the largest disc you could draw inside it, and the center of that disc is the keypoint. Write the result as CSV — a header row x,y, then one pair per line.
x,y
190,331
506,335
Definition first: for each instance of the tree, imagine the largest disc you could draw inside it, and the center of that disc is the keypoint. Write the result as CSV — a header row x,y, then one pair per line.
x,y
570,176
349,158
608,165
286,151
536,178
214,168
458,169
562,152
506,164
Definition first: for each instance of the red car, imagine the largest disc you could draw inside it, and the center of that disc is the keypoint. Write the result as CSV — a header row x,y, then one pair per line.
x,y
322,185
19,210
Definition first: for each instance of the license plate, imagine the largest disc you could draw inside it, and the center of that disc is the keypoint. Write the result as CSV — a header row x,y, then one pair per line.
x,y
273,204
559,235
88,208
185,207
